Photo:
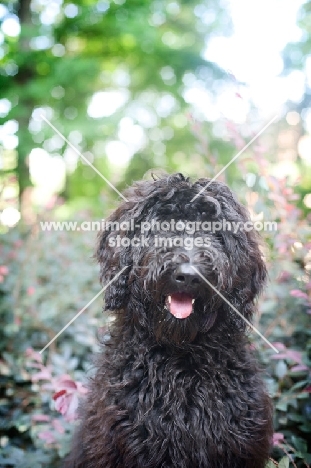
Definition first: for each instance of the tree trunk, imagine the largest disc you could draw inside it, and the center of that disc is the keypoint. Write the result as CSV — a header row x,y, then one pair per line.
x,y
25,106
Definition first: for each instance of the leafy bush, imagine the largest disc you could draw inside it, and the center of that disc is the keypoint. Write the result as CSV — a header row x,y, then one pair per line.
x,y
46,279
286,314
285,308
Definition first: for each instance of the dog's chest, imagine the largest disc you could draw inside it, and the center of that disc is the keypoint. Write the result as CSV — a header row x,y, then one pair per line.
x,y
177,394
196,407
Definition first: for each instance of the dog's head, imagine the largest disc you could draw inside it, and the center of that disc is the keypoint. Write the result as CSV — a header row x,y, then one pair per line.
x,y
191,263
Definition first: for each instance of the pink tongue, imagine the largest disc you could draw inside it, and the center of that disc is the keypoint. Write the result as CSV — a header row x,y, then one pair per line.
x,y
181,305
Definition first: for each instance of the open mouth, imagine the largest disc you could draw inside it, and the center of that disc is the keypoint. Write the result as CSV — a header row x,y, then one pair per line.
x,y
180,304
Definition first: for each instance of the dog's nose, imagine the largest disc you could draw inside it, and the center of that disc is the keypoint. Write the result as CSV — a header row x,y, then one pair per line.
x,y
185,275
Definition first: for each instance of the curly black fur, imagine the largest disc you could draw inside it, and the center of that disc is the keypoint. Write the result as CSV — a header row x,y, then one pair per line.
x,y
169,392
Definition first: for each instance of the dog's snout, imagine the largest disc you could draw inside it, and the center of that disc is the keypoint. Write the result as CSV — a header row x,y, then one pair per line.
x,y
185,275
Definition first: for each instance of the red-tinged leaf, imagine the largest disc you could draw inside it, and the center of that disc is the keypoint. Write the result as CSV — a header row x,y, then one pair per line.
x,y
299,294
31,353
59,394
284,276
43,375
294,355
58,426
277,437
65,381
18,243
279,346
71,414
291,354
31,290
278,356
299,368
40,418
47,436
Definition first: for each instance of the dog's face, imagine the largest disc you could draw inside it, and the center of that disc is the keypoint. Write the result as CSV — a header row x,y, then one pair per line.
x,y
181,259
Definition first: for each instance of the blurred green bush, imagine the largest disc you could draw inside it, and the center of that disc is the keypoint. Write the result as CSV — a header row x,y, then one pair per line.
x,y
47,277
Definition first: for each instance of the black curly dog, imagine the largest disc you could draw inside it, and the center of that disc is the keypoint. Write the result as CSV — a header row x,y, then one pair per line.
x,y
177,385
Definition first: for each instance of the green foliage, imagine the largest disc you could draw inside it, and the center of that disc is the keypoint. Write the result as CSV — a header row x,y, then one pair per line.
x,y
148,50
51,276
285,321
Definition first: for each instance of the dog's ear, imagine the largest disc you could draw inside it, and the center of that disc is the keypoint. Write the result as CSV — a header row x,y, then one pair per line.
x,y
246,259
114,250
252,277
114,254
255,269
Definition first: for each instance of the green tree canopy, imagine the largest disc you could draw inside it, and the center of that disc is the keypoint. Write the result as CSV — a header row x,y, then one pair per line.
x,y
102,72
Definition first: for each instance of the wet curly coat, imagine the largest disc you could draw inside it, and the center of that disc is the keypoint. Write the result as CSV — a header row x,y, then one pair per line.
x,y
177,392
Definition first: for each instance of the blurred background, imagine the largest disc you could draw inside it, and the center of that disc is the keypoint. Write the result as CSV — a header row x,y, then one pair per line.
x,y
123,89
